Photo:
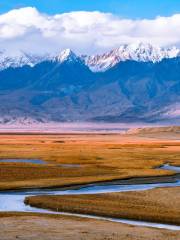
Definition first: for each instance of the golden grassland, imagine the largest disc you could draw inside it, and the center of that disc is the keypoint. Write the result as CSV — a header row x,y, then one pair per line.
x,y
45,227
158,205
101,157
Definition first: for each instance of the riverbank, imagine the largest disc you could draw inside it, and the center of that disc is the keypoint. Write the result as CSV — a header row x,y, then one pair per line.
x,y
44,227
159,205
110,160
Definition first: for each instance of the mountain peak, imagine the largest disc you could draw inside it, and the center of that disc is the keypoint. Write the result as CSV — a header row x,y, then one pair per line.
x,y
19,59
140,52
67,55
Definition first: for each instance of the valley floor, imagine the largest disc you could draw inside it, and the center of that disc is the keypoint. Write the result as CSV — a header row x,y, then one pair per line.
x,y
158,205
29,227
73,159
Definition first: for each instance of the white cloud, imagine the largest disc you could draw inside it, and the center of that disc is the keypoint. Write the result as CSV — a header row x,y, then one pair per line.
x,y
84,32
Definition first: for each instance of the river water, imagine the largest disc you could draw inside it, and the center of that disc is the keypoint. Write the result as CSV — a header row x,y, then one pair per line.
x,y
14,200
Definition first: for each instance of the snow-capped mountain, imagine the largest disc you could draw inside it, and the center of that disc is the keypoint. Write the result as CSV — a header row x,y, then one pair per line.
x,y
140,52
62,88
19,59
66,55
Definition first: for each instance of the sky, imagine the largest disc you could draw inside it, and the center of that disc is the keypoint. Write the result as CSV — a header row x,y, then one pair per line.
x,y
87,26
124,8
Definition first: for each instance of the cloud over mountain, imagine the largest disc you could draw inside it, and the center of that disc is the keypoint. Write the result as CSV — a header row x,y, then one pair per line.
x,y
84,32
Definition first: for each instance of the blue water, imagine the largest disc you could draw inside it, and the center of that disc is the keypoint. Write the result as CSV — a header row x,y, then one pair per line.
x,y
14,200
169,167
33,161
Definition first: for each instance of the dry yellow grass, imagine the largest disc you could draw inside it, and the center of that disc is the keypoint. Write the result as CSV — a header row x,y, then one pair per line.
x,y
101,157
157,205
46,227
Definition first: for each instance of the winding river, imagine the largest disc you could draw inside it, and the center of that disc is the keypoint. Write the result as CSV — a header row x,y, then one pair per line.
x,y
14,200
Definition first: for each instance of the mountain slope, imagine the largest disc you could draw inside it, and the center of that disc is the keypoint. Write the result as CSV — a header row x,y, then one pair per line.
x,y
65,89
136,52
140,52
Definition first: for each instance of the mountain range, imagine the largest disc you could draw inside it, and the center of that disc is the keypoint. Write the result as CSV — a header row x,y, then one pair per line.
x,y
134,83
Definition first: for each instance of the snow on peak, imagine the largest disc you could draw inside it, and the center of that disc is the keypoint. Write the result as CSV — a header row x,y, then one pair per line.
x,y
67,55
19,59
141,52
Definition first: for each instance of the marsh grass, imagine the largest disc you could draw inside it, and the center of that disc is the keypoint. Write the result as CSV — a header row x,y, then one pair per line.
x,y
158,205
100,157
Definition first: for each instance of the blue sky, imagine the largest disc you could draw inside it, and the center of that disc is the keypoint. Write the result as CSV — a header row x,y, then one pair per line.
x,y
124,8
86,27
